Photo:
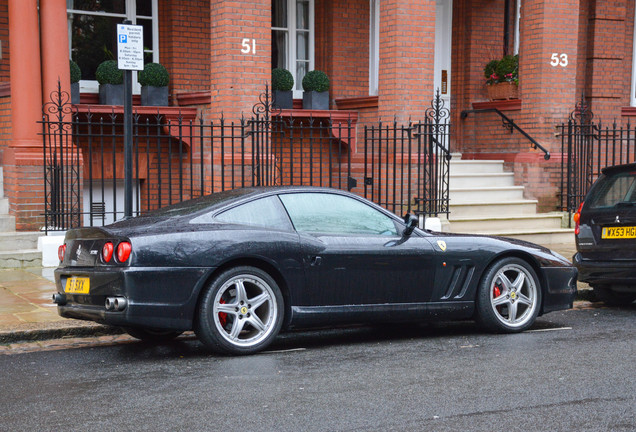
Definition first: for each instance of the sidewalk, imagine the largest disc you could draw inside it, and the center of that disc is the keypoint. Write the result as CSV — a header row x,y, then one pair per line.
x,y
27,312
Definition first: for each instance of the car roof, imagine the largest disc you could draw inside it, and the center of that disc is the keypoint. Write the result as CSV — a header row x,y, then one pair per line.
x,y
614,169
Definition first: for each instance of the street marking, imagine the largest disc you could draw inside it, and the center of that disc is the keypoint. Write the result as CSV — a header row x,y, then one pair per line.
x,y
284,351
548,329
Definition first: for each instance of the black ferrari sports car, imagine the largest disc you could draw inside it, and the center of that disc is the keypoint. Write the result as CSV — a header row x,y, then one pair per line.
x,y
237,267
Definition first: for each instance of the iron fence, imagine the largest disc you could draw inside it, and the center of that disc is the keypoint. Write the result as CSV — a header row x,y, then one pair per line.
x,y
588,147
403,167
406,167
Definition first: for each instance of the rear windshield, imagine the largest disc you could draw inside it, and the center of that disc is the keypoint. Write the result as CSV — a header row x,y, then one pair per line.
x,y
192,206
612,190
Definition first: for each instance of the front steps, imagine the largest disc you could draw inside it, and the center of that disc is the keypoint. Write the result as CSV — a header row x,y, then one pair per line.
x,y
17,249
485,200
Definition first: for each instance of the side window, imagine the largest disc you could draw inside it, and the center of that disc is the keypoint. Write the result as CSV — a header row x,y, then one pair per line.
x,y
265,212
335,214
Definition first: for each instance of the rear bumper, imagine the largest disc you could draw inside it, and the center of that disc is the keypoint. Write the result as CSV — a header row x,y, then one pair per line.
x,y
561,288
156,298
606,272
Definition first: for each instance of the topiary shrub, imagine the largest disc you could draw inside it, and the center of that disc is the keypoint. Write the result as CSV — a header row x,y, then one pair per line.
x,y
282,79
154,75
316,80
107,73
76,73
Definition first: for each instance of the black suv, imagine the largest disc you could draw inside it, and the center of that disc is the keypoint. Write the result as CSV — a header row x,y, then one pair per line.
x,y
606,236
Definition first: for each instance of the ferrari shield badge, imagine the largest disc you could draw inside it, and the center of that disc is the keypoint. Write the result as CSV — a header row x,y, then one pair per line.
x,y
442,245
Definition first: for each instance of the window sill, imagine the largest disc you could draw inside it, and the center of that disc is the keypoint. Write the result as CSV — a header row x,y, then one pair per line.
x,y
339,119
357,103
501,105
628,111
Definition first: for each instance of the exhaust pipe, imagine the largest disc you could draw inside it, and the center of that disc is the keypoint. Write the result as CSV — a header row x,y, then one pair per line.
x,y
115,304
59,299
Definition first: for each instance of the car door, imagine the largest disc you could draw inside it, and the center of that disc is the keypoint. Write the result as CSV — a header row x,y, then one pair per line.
x,y
354,254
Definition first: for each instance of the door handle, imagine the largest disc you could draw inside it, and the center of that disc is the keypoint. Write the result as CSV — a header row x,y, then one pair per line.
x,y
315,260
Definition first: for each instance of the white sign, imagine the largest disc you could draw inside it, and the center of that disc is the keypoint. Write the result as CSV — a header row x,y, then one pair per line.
x,y
130,47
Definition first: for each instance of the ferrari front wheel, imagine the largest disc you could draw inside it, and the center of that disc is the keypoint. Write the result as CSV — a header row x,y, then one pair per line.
x,y
241,312
509,296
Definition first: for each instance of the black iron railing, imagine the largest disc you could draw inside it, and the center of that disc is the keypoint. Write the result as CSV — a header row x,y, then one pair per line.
x,y
509,124
587,148
404,168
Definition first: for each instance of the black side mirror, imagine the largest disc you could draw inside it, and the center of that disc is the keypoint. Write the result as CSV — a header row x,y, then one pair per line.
x,y
411,222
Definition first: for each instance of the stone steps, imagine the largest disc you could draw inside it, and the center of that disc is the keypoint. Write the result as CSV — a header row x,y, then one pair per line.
x,y
484,200
17,249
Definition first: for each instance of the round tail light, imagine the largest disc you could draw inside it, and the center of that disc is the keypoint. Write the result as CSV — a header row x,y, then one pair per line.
x,y
61,251
107,251
123,251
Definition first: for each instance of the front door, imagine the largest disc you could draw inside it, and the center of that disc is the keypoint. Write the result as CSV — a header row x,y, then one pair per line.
x,y
443,35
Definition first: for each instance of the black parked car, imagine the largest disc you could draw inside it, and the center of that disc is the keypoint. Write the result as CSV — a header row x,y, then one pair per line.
x,y
237,267
606,236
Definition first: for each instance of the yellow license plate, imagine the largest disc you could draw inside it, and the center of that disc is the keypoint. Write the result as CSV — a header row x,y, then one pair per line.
x,y
618,232
77,285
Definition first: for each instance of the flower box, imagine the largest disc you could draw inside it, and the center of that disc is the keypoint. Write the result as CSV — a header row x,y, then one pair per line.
x,y
503,91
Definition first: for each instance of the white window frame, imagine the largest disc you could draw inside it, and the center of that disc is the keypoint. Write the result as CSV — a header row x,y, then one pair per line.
x,y
517,22
92,86
291,41
374,46
632,95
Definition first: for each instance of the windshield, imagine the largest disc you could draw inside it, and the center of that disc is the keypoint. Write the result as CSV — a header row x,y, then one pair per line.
x,y
619,189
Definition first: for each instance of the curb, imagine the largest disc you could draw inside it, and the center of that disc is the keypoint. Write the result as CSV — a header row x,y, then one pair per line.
x,y
31,335
95,330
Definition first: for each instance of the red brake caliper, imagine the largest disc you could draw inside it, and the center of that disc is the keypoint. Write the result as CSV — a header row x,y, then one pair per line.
x,y
496,292
222,315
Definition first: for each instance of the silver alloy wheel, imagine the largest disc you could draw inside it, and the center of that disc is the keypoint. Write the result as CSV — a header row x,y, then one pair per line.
x,y
513,295
245,310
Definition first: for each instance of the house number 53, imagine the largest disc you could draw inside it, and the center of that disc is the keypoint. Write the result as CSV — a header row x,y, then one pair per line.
x,y
248,46
559,60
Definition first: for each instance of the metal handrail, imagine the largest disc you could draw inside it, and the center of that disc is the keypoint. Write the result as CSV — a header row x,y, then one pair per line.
x,y
509,123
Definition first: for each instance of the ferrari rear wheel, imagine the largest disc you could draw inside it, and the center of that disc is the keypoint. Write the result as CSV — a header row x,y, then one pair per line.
x,y
152,335
241,312
509,296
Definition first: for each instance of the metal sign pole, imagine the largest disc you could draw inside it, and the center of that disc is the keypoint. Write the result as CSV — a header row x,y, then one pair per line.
x,y
128,195
129,57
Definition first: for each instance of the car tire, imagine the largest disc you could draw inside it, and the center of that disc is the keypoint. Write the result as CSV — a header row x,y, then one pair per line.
x,y
152,335
241,312
613,298
509,296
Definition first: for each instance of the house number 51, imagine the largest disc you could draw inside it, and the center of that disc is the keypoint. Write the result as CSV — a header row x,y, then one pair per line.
x,y
248,46
559,60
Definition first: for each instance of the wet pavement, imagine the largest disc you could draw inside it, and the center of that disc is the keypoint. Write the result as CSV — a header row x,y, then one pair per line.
x,y
28,315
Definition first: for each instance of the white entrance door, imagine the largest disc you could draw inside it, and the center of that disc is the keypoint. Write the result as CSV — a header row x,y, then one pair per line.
x,y
443,34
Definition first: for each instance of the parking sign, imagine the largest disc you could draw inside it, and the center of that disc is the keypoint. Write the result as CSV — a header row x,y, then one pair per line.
x,y
130,47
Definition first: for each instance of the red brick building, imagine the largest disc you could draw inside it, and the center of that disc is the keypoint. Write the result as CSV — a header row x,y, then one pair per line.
x,y
385,59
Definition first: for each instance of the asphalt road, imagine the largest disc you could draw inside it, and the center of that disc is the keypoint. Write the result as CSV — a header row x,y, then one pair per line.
x,y
573,372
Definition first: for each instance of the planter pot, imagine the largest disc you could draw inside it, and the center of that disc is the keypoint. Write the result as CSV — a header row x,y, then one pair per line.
x,y
154,96
316,100
111,94
283,99
503,91
75,93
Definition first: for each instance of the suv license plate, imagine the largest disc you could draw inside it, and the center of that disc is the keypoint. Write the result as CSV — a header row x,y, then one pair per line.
x,y
77,285
618,232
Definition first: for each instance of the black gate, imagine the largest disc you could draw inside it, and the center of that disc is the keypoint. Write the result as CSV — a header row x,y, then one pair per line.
x,y
404,168
588,147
